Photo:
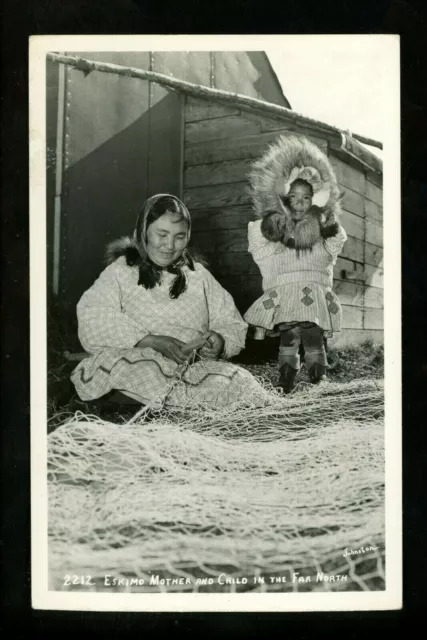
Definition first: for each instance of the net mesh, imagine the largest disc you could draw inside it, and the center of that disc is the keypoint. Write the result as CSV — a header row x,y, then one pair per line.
x,y
271,493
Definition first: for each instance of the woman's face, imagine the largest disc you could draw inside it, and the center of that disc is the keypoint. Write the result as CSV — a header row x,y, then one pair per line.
x,y
300,200
166,238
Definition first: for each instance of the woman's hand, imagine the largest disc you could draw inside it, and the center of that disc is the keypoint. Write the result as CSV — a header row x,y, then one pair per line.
x,y
167,346
213,346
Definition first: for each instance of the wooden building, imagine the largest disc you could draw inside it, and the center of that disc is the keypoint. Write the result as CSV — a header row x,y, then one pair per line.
x,y
114,140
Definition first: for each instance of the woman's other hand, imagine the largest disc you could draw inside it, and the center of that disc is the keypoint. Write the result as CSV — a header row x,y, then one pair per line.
x,y
213,346
167,346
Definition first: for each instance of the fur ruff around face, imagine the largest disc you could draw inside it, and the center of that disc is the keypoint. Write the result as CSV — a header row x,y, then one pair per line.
x,y
136,253
125,246
299,235
268,180
149,273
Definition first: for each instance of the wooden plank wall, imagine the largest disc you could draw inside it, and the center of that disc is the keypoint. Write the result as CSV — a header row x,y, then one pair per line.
x,y
361,292
220,145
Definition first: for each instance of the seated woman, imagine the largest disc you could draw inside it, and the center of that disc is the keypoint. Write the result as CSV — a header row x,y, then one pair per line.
x,y
145,312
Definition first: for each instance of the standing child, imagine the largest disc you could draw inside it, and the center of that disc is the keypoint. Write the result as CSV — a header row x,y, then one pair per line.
x,y
295,245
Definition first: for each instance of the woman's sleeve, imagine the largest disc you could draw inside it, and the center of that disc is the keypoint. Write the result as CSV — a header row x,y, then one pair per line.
x,y
335,244
224,317
259,246
101,321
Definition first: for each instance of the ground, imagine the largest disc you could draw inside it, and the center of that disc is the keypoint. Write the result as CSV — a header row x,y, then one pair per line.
x,y
260,358
362,361
351,363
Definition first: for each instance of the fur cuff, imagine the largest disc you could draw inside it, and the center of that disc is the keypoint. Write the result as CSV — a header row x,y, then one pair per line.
x,y
330,231
307,232
273,226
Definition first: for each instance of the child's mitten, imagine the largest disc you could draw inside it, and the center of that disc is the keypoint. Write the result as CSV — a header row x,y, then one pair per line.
x,y
273,226
330,230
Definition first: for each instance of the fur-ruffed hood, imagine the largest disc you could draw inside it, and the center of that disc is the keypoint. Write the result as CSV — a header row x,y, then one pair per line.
x,y
291,157
149,272
135,248
273,170
125,246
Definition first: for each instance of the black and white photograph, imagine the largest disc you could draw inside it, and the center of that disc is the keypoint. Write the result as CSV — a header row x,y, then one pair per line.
x,y
215,322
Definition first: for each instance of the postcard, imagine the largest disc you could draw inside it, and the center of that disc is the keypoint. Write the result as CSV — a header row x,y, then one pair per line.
x,y
215,323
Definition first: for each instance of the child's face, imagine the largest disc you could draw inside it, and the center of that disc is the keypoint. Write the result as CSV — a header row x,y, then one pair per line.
x,y
300,200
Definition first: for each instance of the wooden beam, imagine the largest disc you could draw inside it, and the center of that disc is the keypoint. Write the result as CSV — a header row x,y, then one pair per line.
x,y
353,249
216,196
197,110
349,293
373,255
218,173
198,91
182,146
235,148
373,212
220,219
350,146
373,319
353,224
347,269
348,176
375,178
353,202
374,298
240,263
59,171
374,233
229,127
352,317
373,193
222,241
375,276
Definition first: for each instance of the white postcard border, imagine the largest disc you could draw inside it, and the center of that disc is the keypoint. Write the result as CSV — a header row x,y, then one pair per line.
x,y
42,598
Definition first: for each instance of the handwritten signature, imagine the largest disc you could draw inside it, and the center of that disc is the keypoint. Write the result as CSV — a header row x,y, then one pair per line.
x,y
356,552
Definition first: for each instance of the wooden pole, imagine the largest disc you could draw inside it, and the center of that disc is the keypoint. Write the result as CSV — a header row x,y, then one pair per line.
x,y
199,91
59,170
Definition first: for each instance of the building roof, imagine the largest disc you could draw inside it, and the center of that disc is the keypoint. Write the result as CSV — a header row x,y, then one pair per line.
x,y
343,142
276,80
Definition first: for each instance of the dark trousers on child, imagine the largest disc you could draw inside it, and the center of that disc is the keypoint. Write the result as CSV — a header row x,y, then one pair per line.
x,y
311,336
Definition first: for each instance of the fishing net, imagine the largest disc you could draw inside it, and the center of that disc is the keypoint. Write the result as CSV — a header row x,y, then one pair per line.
x,y
283,494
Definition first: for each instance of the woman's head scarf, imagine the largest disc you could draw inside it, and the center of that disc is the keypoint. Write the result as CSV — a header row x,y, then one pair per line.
x,y
140,233
135,251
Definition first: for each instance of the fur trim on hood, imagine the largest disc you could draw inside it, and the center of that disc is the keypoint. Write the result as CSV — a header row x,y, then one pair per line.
x,y
128,247
135,249
149,272
294,156
125,246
